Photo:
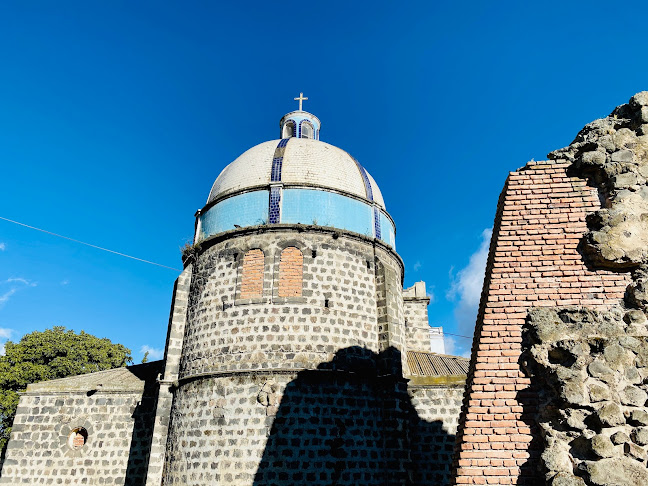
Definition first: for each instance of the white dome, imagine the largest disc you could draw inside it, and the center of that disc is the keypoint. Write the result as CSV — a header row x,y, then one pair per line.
x,y
305,162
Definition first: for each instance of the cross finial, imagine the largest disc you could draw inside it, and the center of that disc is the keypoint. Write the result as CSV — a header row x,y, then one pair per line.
x,y
300,99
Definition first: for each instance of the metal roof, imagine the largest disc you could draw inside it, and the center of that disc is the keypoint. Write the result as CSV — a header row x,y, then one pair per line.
x,y
433,364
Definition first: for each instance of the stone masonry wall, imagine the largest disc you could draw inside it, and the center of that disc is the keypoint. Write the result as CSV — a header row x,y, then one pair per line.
x,y
119,427
417,327
282,390
346,423
220,428
534,260
172,355
432,432
337,309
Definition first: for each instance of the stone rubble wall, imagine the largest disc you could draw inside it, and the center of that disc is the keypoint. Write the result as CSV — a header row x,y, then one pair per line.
x,y
590,368
613,151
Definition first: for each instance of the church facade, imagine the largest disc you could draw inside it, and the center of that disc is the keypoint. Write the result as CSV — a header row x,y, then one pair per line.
x,y
293,353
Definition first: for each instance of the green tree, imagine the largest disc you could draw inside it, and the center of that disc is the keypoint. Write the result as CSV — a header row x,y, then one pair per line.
x,y
53,353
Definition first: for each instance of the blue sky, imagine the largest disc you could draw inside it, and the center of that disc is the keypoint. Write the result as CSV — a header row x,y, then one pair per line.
x,y
116,117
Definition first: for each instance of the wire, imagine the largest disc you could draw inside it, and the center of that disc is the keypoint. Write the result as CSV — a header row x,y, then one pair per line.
x,y
456,335
89,244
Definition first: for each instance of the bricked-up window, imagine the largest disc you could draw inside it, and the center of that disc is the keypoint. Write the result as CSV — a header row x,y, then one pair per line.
x,y
252,275
78,438
291,269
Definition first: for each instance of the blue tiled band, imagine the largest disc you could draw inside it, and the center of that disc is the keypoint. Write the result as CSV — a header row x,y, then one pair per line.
x,y
274,204
377,229
277,160
274,211
367,184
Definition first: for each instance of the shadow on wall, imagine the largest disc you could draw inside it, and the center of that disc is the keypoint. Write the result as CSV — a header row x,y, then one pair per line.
x,y
351,422
143,420
530,470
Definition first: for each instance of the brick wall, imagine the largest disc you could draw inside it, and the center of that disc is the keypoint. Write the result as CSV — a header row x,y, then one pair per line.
x,y
252,274
533,261
291,269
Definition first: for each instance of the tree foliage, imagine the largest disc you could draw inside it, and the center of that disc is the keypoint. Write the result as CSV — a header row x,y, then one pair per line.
x,y
53,353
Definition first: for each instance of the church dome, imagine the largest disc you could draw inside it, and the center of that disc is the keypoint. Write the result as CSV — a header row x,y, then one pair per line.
x,y
296,180
306,162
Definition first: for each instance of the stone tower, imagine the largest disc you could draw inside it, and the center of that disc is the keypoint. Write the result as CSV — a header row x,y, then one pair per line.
x,y
292,290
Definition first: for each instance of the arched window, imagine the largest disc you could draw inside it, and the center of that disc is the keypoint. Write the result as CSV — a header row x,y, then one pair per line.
x,y
291,269
288,129
306,129
252,275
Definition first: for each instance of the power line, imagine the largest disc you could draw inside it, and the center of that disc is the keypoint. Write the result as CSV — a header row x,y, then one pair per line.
x,y
135,258
457,335
89,244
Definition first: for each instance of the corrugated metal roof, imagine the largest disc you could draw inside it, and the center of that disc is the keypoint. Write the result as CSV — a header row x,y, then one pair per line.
x,y
433,364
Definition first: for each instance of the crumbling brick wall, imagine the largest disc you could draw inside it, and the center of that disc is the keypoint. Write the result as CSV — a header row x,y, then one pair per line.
x,y
533,261
555,391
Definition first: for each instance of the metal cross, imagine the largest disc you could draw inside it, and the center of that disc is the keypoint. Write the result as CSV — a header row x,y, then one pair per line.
x,y
300,99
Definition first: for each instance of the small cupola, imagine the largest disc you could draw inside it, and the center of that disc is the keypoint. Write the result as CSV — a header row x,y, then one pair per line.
x,y
300,123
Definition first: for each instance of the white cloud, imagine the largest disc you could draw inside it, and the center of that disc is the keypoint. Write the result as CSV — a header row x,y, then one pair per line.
x,y
466,287
153,353
430,295
13,285
65,282
23,281
417,266
454,349
3,246
4,335
6,296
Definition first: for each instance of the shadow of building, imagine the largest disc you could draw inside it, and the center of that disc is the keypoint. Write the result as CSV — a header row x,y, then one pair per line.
x,y
350,422
143,418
